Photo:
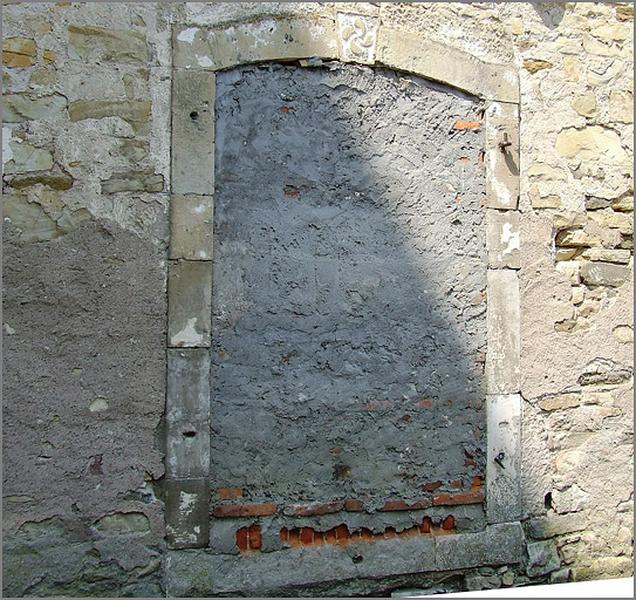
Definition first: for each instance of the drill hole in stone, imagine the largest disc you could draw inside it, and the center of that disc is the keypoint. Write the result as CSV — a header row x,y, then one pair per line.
x,y
189,434
194,115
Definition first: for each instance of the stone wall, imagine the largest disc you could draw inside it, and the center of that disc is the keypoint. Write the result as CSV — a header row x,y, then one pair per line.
x,y
87,178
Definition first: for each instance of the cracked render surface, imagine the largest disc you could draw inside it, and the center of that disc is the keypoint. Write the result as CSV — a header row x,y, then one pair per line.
x,y
349,278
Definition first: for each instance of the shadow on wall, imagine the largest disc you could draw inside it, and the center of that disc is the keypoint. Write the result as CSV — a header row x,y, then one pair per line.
x,y
349,309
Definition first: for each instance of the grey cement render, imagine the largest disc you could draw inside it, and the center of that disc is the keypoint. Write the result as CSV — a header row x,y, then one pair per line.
x,y
349,279
83,369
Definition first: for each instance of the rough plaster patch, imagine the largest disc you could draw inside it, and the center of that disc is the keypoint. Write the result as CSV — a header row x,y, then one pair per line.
x,y
187,35
188,335
509,239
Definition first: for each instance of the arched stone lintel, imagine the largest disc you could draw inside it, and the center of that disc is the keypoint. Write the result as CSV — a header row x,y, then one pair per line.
x,y
350,38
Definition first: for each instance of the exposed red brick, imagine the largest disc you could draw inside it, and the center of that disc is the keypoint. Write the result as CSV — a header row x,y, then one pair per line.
x,y
353,505
307,535
476,483
244,510
290,190
310,510
448,523
473,497
459,124
330,536
229,493
284,534
425,527
342,534
319,538
294,537
410,532
390,532
242,539
366,534
431,487
284,109
425,403
391,505
405,418
254,537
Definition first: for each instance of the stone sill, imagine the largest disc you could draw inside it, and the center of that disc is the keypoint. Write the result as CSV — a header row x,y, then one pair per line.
x,y
198,572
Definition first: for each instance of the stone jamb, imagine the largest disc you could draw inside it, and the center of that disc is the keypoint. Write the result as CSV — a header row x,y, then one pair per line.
x,y
199,52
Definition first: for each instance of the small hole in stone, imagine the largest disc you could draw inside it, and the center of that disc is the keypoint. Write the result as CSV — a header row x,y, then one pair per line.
x,y
547,500
189,434
194,115
357,558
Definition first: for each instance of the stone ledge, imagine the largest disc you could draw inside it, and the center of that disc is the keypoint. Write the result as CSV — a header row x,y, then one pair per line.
x,y
200,573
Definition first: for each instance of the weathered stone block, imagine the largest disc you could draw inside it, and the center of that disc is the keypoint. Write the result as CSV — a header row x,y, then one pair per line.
x,y
502,156
26,158
611,255
601,273
191,227
268,39
18,52
503,462
20,107
133,181
560,401
134,112
497,545
503,325
102,44
502,239
188,449
123,523
542,558
187,516
591,143
411,52
189,304
188,394
193,97
543,528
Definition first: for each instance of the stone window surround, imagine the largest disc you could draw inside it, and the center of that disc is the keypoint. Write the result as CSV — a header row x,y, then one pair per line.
x,y
198,52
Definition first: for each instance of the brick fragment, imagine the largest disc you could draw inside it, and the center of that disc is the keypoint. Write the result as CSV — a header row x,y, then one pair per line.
x,y
459,124
330,536
284,534
353,505
311,510
342,534
244,510
294,537
430,487
254,537
242,539
393,505
307,535
425,527
229,493
448,524
475,496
